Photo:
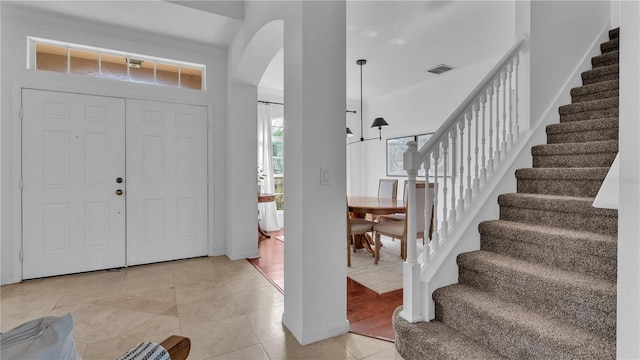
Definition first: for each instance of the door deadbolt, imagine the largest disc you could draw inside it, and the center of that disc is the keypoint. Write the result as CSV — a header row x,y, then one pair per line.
x,y
119,180
118,192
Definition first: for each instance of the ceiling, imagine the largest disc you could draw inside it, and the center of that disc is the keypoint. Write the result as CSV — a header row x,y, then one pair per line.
x,y
211,23
399,39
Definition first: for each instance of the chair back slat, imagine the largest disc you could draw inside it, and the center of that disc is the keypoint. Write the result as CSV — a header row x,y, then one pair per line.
x,y
388,188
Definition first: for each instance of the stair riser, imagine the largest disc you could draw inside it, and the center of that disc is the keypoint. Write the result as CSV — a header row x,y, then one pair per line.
x,y
610,46
577,221
595,96
597,79
560,256
596,88
583,136
438,347
580,188
614,33
590,115
547,299
573,160
508,341
604,62
609,58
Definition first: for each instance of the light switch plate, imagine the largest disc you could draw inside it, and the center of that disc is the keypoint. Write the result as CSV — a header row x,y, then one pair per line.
x,y
325,176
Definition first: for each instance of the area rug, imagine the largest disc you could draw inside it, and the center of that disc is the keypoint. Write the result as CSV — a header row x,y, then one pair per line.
x,y
381,278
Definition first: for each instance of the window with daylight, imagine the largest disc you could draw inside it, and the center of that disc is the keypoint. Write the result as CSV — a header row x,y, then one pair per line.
x,y
277,146
56,56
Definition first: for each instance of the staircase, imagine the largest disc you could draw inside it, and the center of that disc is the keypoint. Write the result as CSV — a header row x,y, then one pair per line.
x,y
543,284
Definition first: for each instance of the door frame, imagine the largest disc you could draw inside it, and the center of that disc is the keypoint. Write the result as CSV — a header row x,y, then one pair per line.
x,y
94,87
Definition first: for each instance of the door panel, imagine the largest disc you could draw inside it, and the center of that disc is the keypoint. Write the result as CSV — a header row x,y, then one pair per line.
x,y
73,150
166,181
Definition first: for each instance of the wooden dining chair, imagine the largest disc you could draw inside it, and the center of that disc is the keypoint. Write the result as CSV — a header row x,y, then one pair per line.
x,y
399,216
387,189
398,229
356,226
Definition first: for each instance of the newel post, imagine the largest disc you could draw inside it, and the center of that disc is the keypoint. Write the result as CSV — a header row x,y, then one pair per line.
x,y
412,294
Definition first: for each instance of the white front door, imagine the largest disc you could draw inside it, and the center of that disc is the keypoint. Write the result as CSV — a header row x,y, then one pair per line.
x,y
73,154
166,181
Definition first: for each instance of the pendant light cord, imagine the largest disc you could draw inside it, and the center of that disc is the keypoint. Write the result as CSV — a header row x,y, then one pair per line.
x,y
361,62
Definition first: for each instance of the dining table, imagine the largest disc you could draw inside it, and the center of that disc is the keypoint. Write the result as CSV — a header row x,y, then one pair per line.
x,y
264,198
360,206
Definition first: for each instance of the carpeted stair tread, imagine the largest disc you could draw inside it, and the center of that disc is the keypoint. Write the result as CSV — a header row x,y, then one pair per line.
x,y
609,58
603,73
611,45
571,240
581,154
582,182
583,131
557,203
566,212
596,173
587,106
580,251
536,285
586,110
539,287
438,341
514,331
599,90
594,147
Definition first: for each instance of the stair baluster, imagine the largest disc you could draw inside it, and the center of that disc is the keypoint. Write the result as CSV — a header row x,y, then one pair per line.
x,y
517,100
509,71
461,199
503,145
445,155
452,214
483,100
476,180
491,163
496,84
436,233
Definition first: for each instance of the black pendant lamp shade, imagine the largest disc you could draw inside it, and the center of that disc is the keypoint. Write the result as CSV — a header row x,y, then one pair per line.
x,y
379,123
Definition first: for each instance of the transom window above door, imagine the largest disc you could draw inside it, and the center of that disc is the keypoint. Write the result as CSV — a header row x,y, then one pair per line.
x,y
63,57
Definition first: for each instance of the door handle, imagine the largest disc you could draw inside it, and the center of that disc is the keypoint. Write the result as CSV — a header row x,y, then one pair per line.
x,y
119,180
118,192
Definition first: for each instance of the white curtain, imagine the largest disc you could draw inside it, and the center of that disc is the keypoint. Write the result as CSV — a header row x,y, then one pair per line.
x,y
268,212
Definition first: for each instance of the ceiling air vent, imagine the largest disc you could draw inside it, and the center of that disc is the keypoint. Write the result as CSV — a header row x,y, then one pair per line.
x,y
440,69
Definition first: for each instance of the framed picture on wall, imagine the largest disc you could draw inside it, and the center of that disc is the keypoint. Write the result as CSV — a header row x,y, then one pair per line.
x,y
439,169
396,147
421,140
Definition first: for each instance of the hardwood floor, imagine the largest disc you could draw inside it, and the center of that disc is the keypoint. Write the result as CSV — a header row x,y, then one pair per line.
x,y
369,313
271,260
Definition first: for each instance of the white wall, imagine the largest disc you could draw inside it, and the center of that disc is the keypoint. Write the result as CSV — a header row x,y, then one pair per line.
x,y
560,33
416,110
16,25
628,311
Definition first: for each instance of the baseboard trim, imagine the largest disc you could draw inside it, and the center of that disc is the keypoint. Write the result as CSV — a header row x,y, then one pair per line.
x,y
309,337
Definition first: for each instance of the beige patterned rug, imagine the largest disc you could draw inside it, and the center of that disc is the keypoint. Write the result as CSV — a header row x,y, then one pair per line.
x,y
381,278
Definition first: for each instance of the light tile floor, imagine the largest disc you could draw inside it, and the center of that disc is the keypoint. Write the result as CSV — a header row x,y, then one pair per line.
x,y
226,308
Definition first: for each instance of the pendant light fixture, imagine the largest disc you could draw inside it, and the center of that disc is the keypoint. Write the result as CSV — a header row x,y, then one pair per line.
x,y
377,123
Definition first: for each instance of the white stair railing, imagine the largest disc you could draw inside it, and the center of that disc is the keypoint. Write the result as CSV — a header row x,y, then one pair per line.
x,y
459,159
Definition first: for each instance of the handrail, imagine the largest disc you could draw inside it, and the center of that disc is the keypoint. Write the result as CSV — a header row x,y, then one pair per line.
x,y
455,187
468,101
